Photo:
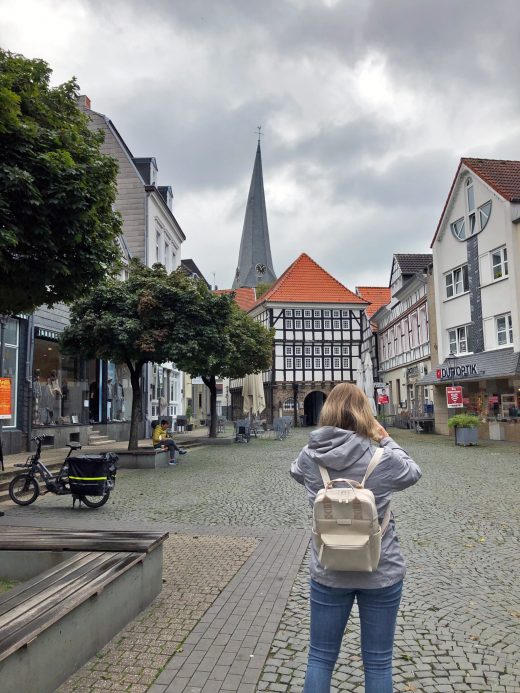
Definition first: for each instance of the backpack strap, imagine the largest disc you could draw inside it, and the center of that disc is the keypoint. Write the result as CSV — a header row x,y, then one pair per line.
x,y
376,459
324,475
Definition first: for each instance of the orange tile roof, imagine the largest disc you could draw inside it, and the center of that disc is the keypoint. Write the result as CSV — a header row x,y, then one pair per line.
x,y
377,296
502,176
245,297
306,282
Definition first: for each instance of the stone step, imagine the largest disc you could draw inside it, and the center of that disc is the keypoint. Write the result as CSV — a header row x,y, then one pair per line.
x,y
101,441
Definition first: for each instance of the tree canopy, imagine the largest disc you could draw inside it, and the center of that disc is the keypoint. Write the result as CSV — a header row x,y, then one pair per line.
x,y
159,317
58,228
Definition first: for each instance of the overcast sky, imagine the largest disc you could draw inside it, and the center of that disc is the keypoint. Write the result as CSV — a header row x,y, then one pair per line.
x,y
367,107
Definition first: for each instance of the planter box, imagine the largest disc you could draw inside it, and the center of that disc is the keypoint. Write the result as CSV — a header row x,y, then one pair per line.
x,y
466,436
143,458
496,430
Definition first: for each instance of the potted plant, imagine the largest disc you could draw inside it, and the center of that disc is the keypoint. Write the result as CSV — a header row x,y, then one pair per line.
x,y
466,428
189,414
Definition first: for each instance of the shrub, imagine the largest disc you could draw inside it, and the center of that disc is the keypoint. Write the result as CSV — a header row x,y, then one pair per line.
x,y
463,421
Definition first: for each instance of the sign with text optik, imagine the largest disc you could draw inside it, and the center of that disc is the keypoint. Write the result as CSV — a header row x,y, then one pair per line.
x,y
5,398
454,397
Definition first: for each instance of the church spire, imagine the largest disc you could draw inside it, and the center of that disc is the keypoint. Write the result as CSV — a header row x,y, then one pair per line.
x,y
255,265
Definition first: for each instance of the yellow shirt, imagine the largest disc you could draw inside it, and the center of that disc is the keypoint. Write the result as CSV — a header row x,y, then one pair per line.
x,y
158,434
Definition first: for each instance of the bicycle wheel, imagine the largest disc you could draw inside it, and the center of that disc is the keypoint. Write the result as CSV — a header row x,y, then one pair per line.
x,y
24,489
95,501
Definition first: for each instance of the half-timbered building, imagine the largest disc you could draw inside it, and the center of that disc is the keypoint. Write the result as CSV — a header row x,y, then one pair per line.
x,y
317,344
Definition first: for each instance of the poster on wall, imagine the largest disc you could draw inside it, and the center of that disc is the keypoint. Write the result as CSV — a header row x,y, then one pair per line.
x,y
454,397
5,398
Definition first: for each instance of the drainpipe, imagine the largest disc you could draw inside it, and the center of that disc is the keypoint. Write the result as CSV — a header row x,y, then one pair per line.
x,y
28,376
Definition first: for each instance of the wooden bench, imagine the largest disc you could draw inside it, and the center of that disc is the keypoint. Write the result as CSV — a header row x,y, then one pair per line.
x,y
52,623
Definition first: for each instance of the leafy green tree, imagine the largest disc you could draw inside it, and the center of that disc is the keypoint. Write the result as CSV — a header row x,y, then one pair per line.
x,y
224,342
158,317
58,229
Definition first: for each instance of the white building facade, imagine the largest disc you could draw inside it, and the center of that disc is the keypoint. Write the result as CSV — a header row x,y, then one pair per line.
x,y
476,251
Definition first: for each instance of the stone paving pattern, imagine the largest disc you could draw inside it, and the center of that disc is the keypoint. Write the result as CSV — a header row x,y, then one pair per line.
x,y
459,528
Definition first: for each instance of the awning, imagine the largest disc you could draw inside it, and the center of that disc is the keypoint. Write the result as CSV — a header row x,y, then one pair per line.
x,y
486,365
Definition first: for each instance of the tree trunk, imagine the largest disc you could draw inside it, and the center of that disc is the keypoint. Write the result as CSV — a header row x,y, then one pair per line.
x,y
211,384
135,379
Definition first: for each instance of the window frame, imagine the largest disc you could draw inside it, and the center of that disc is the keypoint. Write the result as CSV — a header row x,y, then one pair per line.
x,y
464,279
503,264
507,329
454,344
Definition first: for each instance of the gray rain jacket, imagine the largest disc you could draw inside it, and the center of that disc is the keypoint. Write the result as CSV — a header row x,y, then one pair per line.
x,y
346,454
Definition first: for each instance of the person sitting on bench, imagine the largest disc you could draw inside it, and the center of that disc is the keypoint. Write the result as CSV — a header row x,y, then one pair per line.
x,y
160,439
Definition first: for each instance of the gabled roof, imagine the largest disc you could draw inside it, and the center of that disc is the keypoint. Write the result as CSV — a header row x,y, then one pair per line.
x,y
413,263
501,175
377,296
306,282
191,269
245,297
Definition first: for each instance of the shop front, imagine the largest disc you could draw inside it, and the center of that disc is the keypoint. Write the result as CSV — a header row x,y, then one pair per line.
x,y
490,383
71,396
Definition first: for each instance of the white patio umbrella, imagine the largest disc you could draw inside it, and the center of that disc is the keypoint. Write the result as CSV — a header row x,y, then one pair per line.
x,y
368,373
360,376
253,393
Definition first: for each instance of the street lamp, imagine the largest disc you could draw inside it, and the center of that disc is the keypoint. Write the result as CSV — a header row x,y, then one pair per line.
x,y
451,360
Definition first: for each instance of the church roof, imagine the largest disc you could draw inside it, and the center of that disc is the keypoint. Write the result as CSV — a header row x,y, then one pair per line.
x,y
306,282
255,265
245,297
377,296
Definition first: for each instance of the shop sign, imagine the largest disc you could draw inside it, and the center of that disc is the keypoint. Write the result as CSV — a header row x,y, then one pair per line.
x,y
383,399
413,371
447,373
379,386
5,398
46,334
493,399
454,397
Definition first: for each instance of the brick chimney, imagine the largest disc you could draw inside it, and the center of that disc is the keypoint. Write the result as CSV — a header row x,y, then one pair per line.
x,y
84,102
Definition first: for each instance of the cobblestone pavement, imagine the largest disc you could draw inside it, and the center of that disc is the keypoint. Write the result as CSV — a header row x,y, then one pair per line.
x,y
459,528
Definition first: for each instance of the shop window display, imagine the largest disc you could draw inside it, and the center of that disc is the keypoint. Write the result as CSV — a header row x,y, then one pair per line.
x,y
10,369
119,392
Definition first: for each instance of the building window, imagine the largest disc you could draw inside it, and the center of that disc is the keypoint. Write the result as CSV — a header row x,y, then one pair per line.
x,y
504,327
337,363
288,363
288,405
326,313
457,281
317,363
346,363
317,313
345,324
308,363
297,351
458,229
10,366
307,313
499,263
484,212
326,363
346,351
297,363
327,324
336,324
297,324
470,199
288,351
308,324
167,257
458,338
288,324
317,350
297,313
157,246
335,313
326,350
308,350
288,313
336,350
317,324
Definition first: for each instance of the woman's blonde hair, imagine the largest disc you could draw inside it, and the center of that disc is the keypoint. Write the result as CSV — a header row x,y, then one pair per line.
x,y
347,407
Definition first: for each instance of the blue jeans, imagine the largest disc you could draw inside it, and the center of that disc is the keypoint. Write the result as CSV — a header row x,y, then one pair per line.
x,y
330,611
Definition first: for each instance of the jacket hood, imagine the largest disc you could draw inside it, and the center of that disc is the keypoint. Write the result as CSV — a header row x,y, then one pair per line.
x,y
336,448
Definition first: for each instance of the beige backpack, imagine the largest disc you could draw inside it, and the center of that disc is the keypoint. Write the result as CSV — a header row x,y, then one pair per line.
x,y
345,526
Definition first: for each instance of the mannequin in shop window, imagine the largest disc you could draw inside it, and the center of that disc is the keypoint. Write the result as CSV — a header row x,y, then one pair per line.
x,y
37,397
55,395
110,397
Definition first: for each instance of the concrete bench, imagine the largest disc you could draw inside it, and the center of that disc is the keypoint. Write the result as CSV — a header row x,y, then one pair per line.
x,y
144,458
91,585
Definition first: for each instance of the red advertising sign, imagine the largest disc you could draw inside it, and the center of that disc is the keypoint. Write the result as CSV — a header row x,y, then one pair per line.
x,y
493,399
454,397
5,398
383,399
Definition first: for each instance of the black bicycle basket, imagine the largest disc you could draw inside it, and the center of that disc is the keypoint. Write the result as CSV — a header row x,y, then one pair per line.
x,y
88,475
